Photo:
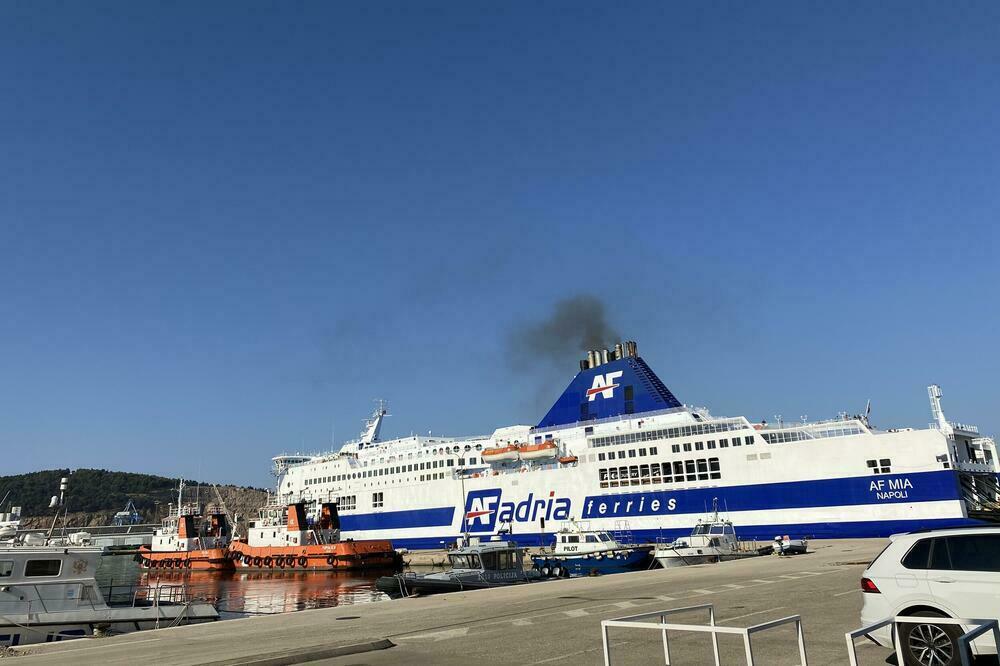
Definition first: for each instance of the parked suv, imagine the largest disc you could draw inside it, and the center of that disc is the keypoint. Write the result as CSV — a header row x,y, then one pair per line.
x,y
939,573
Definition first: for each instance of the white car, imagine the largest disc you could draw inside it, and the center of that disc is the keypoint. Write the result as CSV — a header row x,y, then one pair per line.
x,y
939,573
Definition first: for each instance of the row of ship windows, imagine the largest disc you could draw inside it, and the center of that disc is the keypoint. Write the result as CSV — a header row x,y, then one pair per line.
x,y
701,469
676,448
669,433
388,471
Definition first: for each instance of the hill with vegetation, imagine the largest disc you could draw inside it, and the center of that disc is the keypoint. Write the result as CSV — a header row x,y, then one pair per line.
x,y
95,495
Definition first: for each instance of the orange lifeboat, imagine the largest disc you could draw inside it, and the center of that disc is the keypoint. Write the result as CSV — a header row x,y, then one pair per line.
x,y
508,453
547,449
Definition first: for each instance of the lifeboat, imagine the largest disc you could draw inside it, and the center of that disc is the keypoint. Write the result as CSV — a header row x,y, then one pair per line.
x,y
501,454
545,450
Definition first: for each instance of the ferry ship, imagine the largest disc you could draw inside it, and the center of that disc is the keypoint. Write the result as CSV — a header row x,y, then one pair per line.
x,y
618,451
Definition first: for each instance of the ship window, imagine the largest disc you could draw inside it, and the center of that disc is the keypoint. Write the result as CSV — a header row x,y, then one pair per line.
x,y
652,450
711,443
699,446
6,568
472,461
490,561
689,470
621,454
631,453
687,446
377,501
702,469
713,464
573,539
421,477
723,443
451,463
589,430
600,456
642,452
748,440
655,469
623,474
603,476
679,470
644,473
591,538
676,448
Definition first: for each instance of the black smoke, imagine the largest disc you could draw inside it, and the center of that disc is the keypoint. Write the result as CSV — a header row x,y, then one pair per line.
x,y
576,324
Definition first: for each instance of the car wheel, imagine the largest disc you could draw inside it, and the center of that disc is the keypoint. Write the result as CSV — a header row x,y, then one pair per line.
x,y
928,644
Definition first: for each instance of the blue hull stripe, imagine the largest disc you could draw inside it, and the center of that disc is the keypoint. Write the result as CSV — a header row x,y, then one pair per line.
x,y
398,520
848,491
853,530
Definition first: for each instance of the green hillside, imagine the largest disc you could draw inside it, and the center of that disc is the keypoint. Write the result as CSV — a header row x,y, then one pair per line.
x,y
94,490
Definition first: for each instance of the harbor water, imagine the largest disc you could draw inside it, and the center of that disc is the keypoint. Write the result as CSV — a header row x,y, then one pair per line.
x,y
238,594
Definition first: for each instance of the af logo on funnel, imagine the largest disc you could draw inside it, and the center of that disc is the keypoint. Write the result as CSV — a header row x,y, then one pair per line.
x,y
604,385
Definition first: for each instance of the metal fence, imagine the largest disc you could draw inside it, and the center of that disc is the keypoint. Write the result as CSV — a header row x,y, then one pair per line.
x,y
634,622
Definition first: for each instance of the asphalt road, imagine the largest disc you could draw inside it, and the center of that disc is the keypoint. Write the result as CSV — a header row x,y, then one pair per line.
x,y
555,623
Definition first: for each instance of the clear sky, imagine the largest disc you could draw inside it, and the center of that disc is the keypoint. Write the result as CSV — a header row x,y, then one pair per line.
x,y
225,228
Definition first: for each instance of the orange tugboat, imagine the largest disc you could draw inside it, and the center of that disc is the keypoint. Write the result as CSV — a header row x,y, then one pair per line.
x,y
178,545
282,538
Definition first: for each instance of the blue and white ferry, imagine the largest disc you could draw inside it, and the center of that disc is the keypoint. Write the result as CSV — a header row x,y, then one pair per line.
x,y
618,450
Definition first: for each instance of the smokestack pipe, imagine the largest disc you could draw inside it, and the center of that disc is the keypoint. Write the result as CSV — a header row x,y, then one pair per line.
x,y
590,359
618,351
604,356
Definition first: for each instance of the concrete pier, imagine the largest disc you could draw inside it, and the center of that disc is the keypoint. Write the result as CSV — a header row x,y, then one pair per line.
x,y
555,623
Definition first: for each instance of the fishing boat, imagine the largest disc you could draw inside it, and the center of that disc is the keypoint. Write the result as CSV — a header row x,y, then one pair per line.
x,y
283,538
711,540
186,540
49,593
475,564
581,552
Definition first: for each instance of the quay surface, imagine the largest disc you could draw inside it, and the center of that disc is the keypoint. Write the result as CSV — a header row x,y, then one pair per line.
x,y
554,623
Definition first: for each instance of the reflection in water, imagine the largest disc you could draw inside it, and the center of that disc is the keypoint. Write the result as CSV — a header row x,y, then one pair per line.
x,y
256,593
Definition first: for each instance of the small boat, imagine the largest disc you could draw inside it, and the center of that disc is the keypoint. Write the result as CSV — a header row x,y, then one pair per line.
x,y
509,453
474,565
543,451
49,593
582,552
283,538
712,540
179,544
785,545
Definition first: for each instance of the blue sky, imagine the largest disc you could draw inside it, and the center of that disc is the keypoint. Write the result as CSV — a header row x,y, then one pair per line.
x,y
226,228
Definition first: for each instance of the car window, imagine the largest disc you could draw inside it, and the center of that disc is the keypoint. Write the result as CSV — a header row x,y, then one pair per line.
x,y
939,555
975,552
918,555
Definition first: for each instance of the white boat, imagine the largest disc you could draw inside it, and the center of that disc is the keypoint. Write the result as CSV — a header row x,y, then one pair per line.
x,y
785,545
712,540
48,592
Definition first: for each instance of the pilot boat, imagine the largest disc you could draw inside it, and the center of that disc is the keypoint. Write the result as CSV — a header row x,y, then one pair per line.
x,y
49,593
581,552
283,538
474,565
187,540
712,540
